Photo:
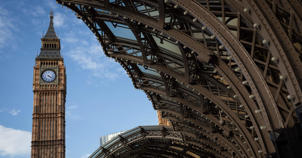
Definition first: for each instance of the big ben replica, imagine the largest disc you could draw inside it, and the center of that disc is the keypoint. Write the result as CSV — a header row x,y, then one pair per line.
x,y
49,87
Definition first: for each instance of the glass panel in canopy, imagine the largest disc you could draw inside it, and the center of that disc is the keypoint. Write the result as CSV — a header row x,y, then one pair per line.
x,y
134,52
120,30
154,13
167,45
148,71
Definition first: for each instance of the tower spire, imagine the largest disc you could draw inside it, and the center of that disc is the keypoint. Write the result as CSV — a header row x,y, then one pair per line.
x,y
50,48
50,34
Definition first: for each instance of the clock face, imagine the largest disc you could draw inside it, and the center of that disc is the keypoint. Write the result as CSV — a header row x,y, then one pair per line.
x,y
48,76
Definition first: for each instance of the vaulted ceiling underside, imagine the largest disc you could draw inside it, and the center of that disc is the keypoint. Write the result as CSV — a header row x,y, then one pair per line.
x,y
226,73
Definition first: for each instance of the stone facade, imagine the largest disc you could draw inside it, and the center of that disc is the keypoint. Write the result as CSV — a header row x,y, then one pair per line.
x,y
49,87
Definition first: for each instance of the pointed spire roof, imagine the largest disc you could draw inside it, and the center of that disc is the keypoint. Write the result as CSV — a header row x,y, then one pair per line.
x,y
50,43
50,34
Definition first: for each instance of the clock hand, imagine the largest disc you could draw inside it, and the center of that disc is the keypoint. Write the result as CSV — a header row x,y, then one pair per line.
x,y
49,76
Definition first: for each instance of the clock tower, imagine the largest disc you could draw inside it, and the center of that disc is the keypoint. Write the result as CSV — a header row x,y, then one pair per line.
x,y
49,87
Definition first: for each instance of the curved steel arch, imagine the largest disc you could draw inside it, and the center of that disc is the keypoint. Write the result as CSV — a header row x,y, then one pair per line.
x,y
250,140
181,100
279,61
157,141
154,90
239,53
240,128
150,65
240,72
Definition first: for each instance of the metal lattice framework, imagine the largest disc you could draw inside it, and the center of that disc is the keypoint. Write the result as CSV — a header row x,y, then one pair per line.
x,y
149,141
226,73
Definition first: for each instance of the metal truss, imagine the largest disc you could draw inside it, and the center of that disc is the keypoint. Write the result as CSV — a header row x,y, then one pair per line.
x,y
152,141
224,72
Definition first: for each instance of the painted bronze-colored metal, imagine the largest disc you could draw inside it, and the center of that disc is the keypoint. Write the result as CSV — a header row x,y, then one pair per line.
x,y
219,61
152,141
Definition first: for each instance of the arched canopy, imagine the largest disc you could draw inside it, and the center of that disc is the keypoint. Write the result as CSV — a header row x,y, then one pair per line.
x,y
151,141
217,69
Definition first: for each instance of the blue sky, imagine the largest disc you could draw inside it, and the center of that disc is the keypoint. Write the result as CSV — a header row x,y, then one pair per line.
x,y
100,96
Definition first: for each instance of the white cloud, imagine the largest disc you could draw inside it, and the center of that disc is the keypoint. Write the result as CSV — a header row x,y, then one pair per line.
x,y
58,19
71,112
14,112
52,4
3,11
71,39
6,27
72,107
14,142
85,156
92,58
83,57
36,11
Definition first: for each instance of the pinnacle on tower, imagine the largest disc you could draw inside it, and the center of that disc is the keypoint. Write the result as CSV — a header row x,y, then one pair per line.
x,y
50,34
50,48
